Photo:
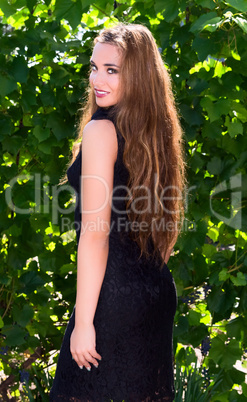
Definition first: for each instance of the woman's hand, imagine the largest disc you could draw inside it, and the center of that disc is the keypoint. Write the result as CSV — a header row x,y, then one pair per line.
x,y
82,346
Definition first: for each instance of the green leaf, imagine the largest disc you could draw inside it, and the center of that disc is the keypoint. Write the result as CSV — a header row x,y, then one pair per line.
x,y
171,9
204,46
41,297
239,280
211,130
232,353
207,3
30,281
220,69
14,335
194,318
207,21
225,354
1,322
164,32
69,10
230,378
196,161
216,109
24,315
101,3
159,6
191,115
240,111
243,299
28,100
5,124
5,279
240,5
196,334
12,144
219,301
244,389
213,234
27,120
201,269
208,250
224,275
235,326
47,95
67,268
20,69
186,356
59,77
193,239
215,166
182,326
217,349
46,146
60,128
7,84
6,8
41,133
235,127
37,327
31,4
242,23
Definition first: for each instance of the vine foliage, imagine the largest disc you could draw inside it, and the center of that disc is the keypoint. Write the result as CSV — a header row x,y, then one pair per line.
x,y
45,49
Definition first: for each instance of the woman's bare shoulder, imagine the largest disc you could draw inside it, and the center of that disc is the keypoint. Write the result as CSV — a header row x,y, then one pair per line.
x,y
101,134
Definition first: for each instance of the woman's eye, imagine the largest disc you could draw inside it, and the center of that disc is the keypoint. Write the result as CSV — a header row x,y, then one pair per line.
x,y
112,70
93,68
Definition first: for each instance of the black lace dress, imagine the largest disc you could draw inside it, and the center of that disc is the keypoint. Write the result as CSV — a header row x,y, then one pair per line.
x,y
133,319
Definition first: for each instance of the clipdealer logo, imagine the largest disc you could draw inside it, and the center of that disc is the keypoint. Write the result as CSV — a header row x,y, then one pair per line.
x,y
46,199
235,186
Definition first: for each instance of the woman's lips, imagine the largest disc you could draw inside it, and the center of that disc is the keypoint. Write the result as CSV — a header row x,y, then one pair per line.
x,y
100,94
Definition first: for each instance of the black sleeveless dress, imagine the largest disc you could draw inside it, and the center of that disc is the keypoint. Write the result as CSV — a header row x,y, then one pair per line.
x,y
133,319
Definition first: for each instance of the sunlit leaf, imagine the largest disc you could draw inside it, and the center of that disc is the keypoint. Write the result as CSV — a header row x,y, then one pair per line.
x,y
7,8
242,23
207,21
240,5
69,10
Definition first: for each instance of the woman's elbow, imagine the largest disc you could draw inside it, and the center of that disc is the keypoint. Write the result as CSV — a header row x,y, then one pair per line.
x,y
90,239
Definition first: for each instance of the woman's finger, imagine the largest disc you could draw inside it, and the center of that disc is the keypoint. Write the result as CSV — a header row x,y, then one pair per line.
x,y
91,359
95,354
80,360
84,359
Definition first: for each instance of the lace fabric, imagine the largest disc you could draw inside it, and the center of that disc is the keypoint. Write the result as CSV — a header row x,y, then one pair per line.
x,y
133,319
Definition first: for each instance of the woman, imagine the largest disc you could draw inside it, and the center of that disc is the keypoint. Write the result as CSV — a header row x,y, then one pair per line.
x,y
118,343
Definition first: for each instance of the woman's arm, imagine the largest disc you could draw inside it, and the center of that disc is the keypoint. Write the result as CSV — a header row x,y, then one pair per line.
x,y
99,153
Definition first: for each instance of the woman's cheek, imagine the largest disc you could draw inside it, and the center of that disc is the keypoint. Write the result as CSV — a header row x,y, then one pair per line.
x,y
91,78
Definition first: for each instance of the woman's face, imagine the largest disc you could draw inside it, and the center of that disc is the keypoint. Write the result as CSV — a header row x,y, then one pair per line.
x,y
105,74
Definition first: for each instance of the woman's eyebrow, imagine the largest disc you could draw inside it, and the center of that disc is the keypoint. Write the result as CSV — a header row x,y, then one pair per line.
x,y
106,65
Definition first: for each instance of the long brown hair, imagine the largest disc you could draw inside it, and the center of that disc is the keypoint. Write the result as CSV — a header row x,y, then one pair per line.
x,y
147,118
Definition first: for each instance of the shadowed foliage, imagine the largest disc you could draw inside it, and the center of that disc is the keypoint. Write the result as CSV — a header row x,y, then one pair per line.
x,y
44,60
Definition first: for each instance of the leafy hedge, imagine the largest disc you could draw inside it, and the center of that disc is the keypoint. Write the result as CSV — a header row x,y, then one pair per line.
x,y
45,49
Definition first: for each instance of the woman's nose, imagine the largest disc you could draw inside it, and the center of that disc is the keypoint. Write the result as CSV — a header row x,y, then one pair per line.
x,y
98,78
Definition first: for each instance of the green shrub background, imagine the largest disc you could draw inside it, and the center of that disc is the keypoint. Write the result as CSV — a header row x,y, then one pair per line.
x,y
44,59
